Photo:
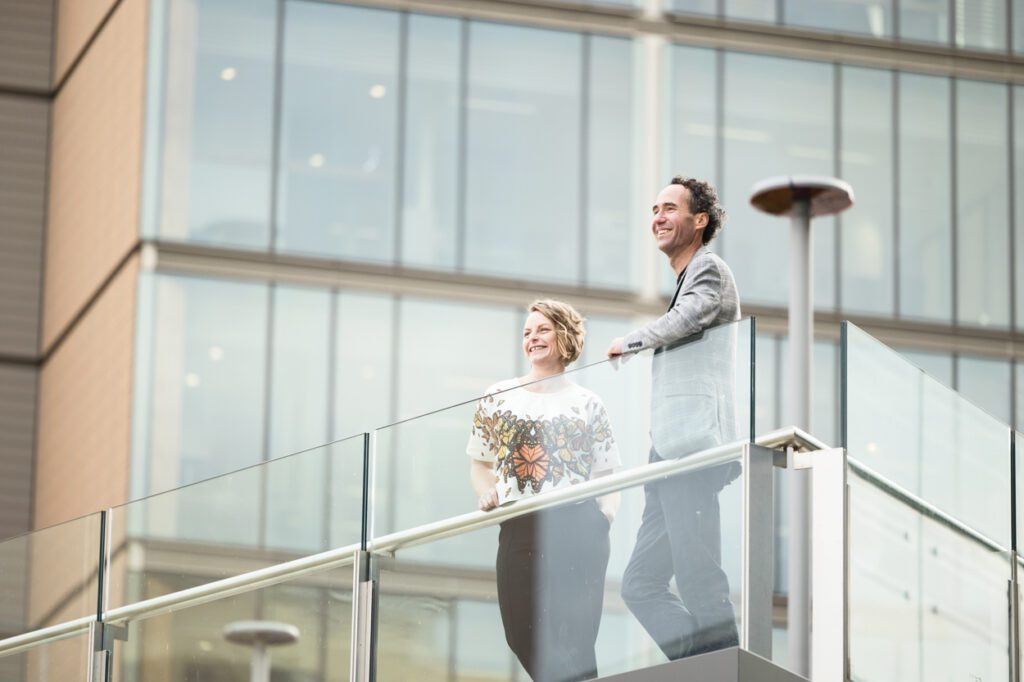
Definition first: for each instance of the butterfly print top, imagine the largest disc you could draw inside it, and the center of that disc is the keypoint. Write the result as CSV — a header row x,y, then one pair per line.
x,y
539,441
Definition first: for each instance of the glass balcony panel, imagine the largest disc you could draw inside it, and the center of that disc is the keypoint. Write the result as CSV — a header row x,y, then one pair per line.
x,y
925,437
421,466
50,576
448,607
926,602
281,510
65,660
193,643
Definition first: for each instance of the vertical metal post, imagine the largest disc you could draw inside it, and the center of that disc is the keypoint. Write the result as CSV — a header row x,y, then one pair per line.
x,y
362,666
757,550
259,665
801,340
829,542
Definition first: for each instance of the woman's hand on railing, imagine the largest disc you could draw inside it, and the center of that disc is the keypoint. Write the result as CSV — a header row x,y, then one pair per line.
x,y
489,500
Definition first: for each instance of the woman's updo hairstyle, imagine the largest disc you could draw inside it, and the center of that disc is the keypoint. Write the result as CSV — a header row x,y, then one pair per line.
x,y
569,330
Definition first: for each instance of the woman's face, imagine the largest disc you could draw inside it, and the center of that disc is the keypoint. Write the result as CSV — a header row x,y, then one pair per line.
x,y
539,341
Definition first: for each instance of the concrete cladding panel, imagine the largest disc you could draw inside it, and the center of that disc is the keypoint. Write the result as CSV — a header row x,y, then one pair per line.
x,y
26,35
23,123
95,163
77,21
84,429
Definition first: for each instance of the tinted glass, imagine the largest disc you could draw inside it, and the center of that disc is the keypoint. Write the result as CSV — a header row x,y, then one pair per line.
x,y
926,202
873,18
218,122
980,24
983,218
524,112
611,228
431,143
336,179
867,239
925,20
769,131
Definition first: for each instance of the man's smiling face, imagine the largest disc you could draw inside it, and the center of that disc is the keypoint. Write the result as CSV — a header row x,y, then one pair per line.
x,y
675,229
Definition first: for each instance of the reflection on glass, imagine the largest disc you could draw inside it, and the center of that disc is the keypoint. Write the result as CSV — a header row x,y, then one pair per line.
x,y
926,437
983,216
1018,26
770,131
924,20
437,627
980,24
867,238
208,380
336,179
288,507
524,112
190,643
926,201
610,260
217,120
870,17
986,383
431,119
64,660
298,383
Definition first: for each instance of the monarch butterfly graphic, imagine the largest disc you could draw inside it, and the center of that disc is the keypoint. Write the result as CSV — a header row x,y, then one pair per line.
x,y
530,463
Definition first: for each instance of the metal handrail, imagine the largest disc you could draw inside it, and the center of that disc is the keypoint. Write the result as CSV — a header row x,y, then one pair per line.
x,y
921,506
790,437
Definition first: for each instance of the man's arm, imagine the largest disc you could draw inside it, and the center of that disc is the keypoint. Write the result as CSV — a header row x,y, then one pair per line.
x,y
695,309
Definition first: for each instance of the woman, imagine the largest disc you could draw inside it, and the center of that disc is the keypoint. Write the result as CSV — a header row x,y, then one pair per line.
x,y
530,435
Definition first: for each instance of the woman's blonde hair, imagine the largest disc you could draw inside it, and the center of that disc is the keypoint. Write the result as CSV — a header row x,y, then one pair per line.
x,y
569,329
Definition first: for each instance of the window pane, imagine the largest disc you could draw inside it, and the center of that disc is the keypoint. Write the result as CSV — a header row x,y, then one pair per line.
x,y
523,153
209,355
338,127
936,365
611,261
925,20
983,278
925,205
770,131
694,6
364,363
871,17
980,24
691,126
218,111
430,188
751,10
298,388
866,233
986,383
1018,26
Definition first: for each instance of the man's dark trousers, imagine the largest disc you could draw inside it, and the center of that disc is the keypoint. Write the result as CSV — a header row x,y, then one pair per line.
x,y
680,535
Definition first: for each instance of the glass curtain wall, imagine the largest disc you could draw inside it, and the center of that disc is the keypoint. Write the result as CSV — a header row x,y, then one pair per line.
x,y
354,134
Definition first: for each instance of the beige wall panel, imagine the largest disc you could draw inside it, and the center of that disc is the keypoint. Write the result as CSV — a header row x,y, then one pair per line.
x,y
77,21
23,130
26,34
95,163
84,429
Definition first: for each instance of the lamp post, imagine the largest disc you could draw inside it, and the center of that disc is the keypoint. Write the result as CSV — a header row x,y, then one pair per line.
x,y
260,634
801,197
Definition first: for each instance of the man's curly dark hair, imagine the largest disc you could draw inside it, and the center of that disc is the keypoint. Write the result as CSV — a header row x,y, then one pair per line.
x,y
703,199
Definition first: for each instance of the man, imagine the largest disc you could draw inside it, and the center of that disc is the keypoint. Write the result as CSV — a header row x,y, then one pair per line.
x,y
692,408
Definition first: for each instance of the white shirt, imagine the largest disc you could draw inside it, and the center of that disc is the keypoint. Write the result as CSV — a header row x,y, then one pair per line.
x,y
542,439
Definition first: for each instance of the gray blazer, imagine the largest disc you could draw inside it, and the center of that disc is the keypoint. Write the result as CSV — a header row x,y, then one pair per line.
x,y
693,404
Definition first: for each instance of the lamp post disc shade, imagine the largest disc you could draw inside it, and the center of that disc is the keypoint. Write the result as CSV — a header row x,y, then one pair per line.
x,y
825,195
263,632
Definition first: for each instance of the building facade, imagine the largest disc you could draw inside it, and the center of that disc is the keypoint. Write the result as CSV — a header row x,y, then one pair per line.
x,y
235,229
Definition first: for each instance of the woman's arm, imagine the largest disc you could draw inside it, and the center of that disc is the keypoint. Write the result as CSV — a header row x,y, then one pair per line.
x,y
609,503
481,474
